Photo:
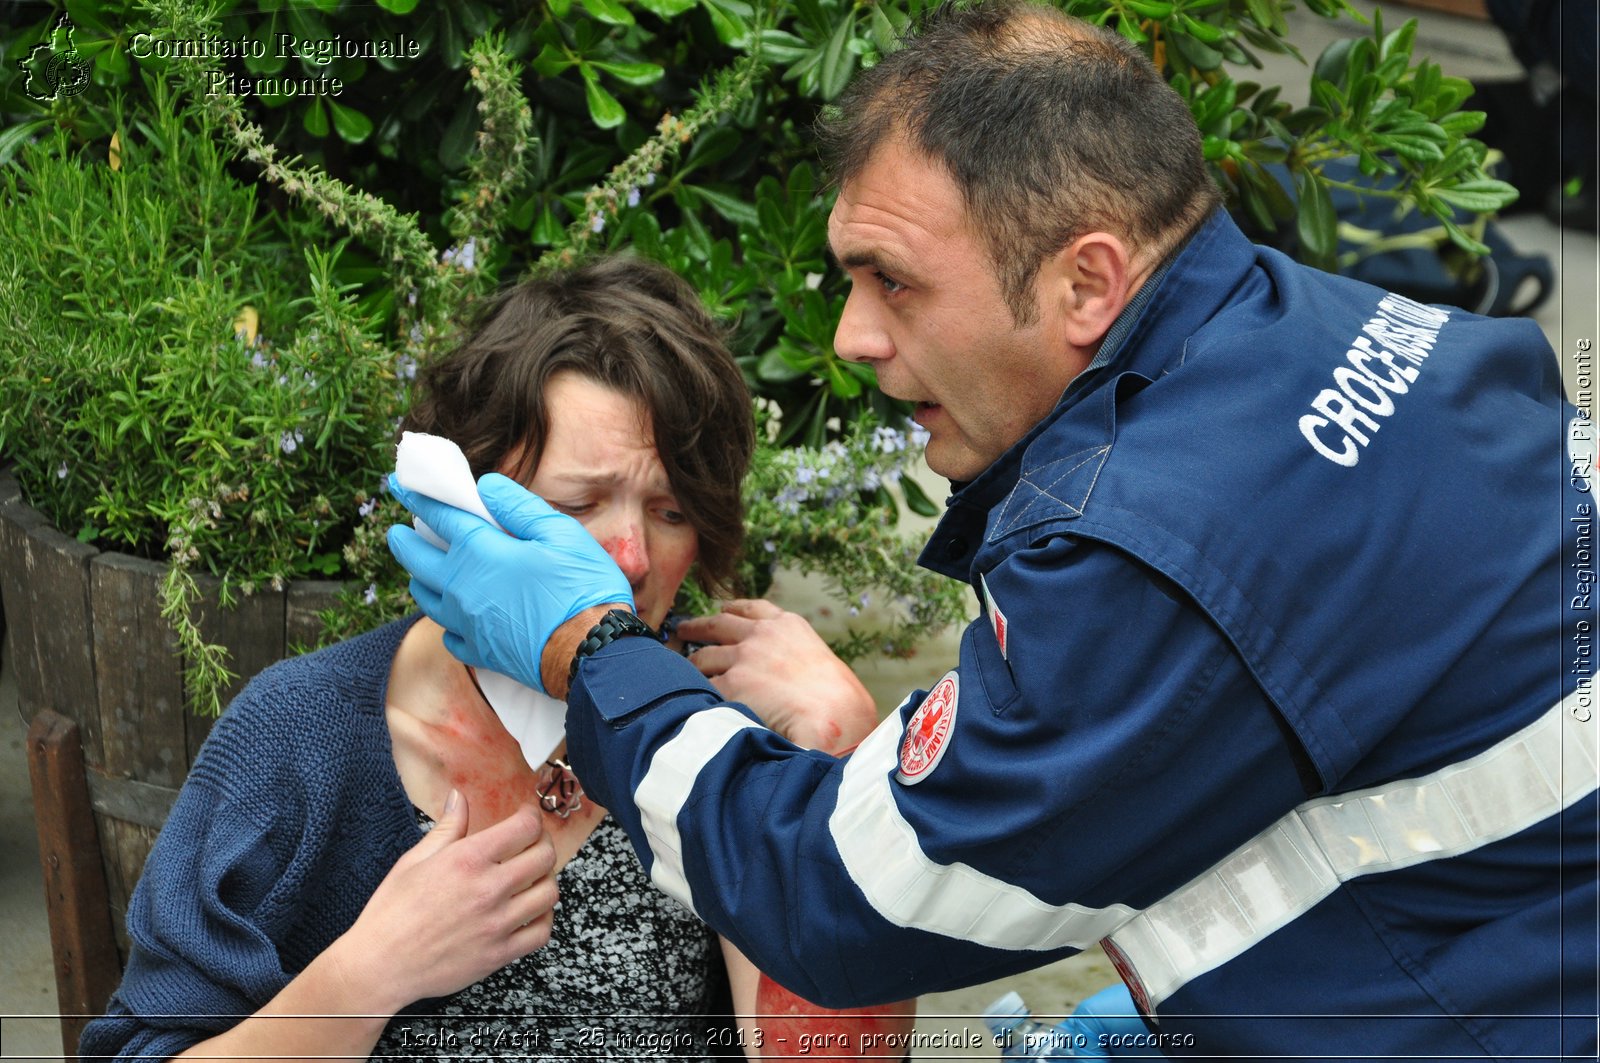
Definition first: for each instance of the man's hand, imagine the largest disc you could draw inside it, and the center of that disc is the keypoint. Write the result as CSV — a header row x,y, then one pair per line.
x,y
499,597
774,662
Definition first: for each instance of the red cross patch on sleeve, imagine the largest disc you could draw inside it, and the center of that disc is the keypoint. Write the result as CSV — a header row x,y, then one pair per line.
x,y
928,731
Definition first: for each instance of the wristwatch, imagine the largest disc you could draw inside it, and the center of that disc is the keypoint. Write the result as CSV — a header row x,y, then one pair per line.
x,y
616,624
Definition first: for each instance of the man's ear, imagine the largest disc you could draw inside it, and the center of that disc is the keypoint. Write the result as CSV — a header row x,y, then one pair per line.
x,y
1093,281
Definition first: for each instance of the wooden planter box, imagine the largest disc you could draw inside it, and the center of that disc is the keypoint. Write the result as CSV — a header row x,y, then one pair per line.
x,y
86,639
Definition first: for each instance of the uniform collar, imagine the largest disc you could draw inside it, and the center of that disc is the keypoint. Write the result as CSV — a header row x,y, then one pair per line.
x,y
1147,338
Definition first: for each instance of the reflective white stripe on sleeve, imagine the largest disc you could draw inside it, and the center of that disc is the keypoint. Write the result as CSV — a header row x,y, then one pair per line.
x,y
1289,868
883,857
665,788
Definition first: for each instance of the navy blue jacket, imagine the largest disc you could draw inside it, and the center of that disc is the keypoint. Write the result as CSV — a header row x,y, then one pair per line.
x,y
1283,687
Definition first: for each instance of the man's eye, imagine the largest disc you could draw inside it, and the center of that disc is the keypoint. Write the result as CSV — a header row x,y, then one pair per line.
x,y
889,284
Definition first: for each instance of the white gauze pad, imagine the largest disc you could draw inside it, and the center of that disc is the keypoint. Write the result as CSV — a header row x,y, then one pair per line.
x,y
434,466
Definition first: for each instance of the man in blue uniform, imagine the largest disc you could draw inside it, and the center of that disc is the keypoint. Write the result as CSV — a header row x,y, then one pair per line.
x,y
1283,687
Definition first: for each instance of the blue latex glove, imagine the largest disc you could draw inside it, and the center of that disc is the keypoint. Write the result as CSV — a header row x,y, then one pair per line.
x,y
1112,1026
499,597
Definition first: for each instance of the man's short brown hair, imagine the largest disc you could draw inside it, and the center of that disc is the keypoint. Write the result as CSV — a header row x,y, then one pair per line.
x,y
1051,128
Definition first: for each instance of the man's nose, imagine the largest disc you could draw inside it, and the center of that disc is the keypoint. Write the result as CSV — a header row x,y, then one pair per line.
x,y
861,336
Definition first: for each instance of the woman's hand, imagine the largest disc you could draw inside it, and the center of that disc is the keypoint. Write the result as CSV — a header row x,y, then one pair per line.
x,y
774,662
453,909
449,912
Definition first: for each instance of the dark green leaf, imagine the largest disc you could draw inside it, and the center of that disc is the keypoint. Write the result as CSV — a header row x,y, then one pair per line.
x,y
667,9
1201,29
604,109
778,367
14,137
315,119
610,12
1251,199
1462,123
1332,62
270,60
1400,42
353,126
842,384
398,7
917,500
458,136
733,208
452,43
883,31
1480,197
1198,54
730,25
837,61
781,46
547,230
801,185
1415,148
631,73
1462,239
551,61
1316,223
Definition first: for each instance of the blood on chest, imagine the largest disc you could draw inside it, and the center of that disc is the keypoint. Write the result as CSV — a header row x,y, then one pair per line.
x,y
478,757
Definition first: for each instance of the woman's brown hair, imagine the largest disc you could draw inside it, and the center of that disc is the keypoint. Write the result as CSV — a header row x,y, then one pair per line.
x,y
633,326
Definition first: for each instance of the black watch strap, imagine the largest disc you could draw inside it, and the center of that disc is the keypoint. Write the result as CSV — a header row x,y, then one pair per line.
x,y
616,624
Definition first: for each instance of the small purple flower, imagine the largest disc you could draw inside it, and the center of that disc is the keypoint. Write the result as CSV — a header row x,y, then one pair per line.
x,y
405,367
290,442
61,471
633,197
370,595
468,258
366,508
258,360
597,223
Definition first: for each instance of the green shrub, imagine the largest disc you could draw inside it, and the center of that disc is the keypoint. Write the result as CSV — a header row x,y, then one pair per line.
x,y
359,227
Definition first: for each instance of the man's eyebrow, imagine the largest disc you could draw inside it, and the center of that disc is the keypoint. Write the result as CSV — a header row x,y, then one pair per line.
x,y
869,257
